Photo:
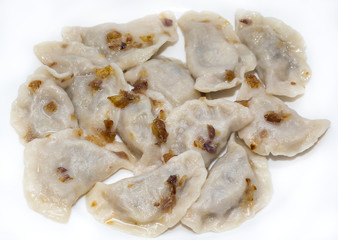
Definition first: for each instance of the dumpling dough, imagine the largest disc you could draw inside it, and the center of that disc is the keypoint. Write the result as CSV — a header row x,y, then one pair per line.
x,y
215,56
136,121
61,168
204,126
280,53
130,43
73,58
276,128
168,76
237,187
149,204
42,107
89,94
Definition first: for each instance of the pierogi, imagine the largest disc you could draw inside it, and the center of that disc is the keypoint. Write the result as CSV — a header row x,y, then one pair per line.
x,y
105,99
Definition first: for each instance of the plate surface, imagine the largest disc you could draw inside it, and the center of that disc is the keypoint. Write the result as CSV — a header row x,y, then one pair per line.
x,y
305,200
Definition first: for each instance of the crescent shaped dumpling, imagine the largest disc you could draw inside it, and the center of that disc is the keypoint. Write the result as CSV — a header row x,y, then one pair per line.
x,y
73,58
61,168
148,204
276,128
127,44
280,53
237,187
89,94
42,107
137,119
170,77
204,126
215,56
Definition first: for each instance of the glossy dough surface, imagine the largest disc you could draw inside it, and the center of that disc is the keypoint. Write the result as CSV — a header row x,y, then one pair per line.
x,y
204,126
61,168
276,128
127,44
170,77
237,187
42,107
148,204
89,94
280,52
215,56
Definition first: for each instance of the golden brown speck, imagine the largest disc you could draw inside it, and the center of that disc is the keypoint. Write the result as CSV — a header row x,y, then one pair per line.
x,y
51,107
123,99
229,75
34,85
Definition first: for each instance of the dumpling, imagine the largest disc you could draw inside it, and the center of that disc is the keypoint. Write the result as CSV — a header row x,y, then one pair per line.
x,y
215,56
130,43
42,107
276,128
204,126
280,53
89,94
148,204
167,76
73,58
138,119
237,187
61,168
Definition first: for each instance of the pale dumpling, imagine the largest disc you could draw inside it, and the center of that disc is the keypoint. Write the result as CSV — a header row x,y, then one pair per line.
x,y
276,128
89,94
237,187
130,43
137,119
215,56
73,58
148,204
42,107
280,53
61,168
204,126
170,77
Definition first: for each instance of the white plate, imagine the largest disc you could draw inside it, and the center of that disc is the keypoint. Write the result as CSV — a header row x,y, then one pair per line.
x,y
305,200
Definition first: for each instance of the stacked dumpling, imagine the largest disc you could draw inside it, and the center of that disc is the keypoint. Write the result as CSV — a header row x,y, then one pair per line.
x,y
105,99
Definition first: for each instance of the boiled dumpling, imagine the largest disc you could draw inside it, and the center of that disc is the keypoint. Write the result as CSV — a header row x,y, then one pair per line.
x,y
276,128
73,58
130,43
62,167
280,53
215,56
89,94
237,187
168,76
42,107
204,126
148,204
138,119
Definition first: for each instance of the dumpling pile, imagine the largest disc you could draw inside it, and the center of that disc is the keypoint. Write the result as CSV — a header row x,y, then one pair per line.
x,y
105,99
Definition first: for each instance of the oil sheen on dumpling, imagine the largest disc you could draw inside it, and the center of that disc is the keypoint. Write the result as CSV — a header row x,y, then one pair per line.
x,y
280,53
130,43
237,187
167,76
73,58
137,120
148,204
42,107
215,56
61,168
276,128
204,126
89,94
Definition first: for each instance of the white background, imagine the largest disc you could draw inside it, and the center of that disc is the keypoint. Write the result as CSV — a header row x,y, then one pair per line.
x,y
305,200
